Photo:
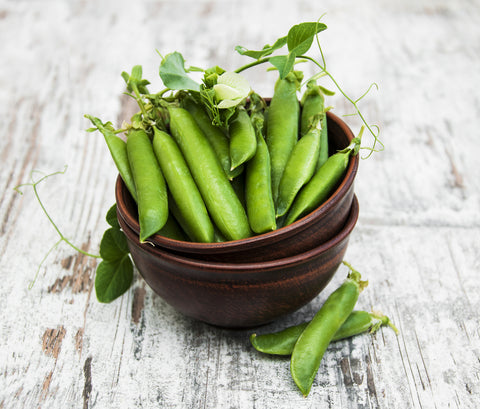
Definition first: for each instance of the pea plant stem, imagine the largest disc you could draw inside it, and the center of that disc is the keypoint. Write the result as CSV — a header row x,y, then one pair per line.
x,y
252,64
325,72
34,184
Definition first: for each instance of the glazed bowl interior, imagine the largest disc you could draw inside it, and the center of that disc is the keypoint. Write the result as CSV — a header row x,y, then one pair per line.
x,y
319,226
239,295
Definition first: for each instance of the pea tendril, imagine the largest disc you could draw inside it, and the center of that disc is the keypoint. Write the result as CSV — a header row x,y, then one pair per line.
x,y
34,184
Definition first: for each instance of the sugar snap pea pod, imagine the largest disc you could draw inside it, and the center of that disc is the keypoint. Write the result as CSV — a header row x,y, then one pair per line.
x,y
282,124
313,103
315,338
243,141
118,151
215,135
282,342
258,186
238,184
323,182
182,186
300,167
220,199
150,184
172,229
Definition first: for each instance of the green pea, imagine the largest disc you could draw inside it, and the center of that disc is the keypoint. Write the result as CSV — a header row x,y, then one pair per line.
x,y
282,125
118,151
182,186
282,342
150,184
215,135
322,184
258,186
313,103
317,335
220,199
299,168
243,142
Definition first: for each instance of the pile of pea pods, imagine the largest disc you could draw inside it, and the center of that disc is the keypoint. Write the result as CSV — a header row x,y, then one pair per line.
x,y
307,342
267,166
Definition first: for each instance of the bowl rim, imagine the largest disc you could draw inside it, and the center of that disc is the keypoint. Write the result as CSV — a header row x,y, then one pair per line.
x,y
225,269
250,242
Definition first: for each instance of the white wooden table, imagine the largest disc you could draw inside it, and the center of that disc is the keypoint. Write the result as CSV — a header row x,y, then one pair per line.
x,y
416,240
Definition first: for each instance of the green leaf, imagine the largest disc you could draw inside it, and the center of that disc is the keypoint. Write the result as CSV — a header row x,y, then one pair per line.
x,y
265,51
134,80
112,216
113,245
283,63
173,74
113,278
300,37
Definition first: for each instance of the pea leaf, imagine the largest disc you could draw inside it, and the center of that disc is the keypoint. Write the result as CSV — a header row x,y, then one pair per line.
x,y
283,63
113,245
300,37
113,278
265,51
114,274
111,217
134,80
173,74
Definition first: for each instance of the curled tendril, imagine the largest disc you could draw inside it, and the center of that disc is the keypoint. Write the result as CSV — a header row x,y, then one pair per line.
x,y
34,183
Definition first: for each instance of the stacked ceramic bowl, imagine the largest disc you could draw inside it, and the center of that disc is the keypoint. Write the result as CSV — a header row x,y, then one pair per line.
x,y
249,282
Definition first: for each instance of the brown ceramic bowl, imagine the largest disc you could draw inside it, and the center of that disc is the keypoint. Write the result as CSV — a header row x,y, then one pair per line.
x,y
305,234
240,295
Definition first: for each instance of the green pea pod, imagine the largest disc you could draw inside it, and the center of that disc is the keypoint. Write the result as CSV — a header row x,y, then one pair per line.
x,y
182,186
322,184
282,342
172,229
243,142
118,151
258,186
282,125
149,182
313,103
215,135
315,338
238,184
179,217
300,167
218,194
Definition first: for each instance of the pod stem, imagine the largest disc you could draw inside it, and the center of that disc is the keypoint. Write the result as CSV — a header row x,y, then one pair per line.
x,y
355,276
383,320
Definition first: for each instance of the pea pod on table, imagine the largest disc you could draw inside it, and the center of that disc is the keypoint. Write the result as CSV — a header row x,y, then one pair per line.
x,y
322,183
315,338
283,342
300,167
182,187
150,184
282,124
218,194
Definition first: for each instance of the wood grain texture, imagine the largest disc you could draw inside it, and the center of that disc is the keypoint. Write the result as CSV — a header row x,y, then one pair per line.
x,y
416,239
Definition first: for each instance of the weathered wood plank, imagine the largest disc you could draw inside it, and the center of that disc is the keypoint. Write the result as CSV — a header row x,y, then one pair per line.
x,y
416,239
